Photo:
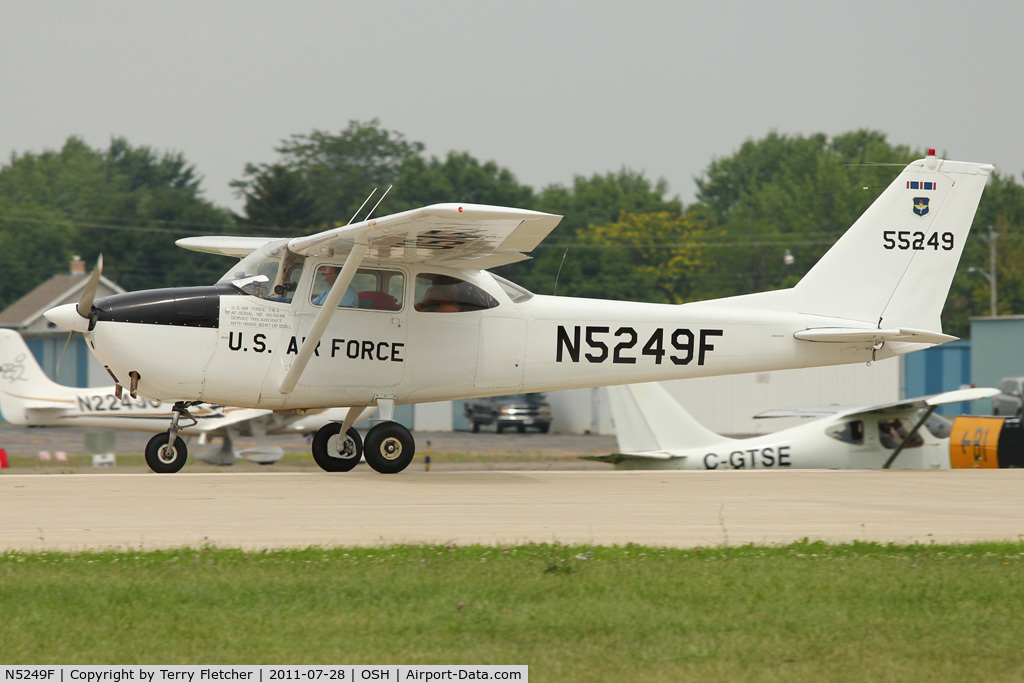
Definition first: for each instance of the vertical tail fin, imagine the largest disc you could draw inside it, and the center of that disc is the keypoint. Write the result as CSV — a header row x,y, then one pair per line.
x,y
23,384
894,266
647,418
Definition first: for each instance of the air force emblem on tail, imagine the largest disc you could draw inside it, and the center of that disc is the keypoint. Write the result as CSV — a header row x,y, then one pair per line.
x,y
921,206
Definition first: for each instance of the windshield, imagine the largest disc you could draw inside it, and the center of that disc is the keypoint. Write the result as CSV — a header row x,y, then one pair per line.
x,y
516,293
260,273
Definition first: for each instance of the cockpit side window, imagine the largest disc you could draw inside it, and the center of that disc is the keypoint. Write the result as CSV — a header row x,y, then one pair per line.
x,y
371,288
437,293
847,432
892,432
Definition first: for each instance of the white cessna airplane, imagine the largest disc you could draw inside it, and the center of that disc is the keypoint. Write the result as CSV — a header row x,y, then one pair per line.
x,y
654,432
29,397
420,319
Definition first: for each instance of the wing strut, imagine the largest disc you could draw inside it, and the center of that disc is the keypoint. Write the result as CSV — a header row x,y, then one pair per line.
x,y
909,436
330,307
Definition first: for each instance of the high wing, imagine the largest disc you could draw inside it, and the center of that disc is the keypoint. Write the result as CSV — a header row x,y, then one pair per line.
x,y
453,235
228,245
473,236
932,401
913,404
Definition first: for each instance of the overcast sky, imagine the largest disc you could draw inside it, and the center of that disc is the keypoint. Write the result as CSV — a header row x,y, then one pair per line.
x,y
548,89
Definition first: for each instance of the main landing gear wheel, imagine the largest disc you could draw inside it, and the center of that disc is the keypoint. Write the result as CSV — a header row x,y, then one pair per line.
x,y
389,448
334,453
164,458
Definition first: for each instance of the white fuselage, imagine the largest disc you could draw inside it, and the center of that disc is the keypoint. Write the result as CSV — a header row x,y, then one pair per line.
x,y
807,446
655,432
542,343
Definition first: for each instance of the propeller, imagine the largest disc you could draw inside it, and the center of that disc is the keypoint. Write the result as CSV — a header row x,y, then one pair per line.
x,y
84,305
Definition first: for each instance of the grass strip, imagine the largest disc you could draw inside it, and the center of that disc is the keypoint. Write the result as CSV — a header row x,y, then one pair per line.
x,y
803,611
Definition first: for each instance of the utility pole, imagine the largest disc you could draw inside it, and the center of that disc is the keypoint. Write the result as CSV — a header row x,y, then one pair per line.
x,y
990,274
992,236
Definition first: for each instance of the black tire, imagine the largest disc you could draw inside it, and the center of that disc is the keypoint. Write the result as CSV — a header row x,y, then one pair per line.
x,y
476,427
544,428
389,448
521,429
498,429
164,459
326,447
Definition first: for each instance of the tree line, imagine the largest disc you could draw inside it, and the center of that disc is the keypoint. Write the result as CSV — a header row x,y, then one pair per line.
x,y
761,218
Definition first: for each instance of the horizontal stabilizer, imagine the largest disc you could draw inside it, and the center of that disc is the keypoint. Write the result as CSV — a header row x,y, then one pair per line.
x,y
616,458
849,335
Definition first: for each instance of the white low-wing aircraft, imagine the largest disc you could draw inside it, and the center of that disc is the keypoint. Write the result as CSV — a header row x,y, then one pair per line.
x,y
399,309
654,432
29,397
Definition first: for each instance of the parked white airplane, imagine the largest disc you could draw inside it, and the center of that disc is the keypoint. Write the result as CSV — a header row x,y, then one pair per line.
x,y
655,432
400,309
29,397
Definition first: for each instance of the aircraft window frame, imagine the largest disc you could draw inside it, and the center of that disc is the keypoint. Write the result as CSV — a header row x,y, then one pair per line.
x,y
444,293
249,265
375,289
847,431
269,272
516,293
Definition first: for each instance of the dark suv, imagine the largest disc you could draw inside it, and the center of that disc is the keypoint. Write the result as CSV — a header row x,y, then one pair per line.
x,y
515,410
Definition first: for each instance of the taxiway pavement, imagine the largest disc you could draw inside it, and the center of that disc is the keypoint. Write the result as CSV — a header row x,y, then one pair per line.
x,y
683,509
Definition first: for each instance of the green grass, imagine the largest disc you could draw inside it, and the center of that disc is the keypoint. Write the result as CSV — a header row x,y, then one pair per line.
x,y
807,611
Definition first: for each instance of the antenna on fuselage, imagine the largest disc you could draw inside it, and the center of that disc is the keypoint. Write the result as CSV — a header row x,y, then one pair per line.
x,y
378,202
373,192
554,292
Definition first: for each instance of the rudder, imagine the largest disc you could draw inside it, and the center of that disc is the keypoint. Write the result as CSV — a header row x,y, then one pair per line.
x,y
894,267
647,418
23,384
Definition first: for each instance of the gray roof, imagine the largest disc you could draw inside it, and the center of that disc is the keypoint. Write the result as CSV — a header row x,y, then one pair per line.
x,y
59,289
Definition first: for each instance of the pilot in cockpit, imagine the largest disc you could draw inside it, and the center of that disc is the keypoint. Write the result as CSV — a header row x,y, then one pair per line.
x,y
330,274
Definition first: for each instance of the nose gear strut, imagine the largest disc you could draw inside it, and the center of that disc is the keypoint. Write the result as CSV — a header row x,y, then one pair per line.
x,y
180,410
166,453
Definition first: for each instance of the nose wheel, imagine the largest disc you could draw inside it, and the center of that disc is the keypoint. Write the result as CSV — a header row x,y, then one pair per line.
x,y
164,456
166,453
